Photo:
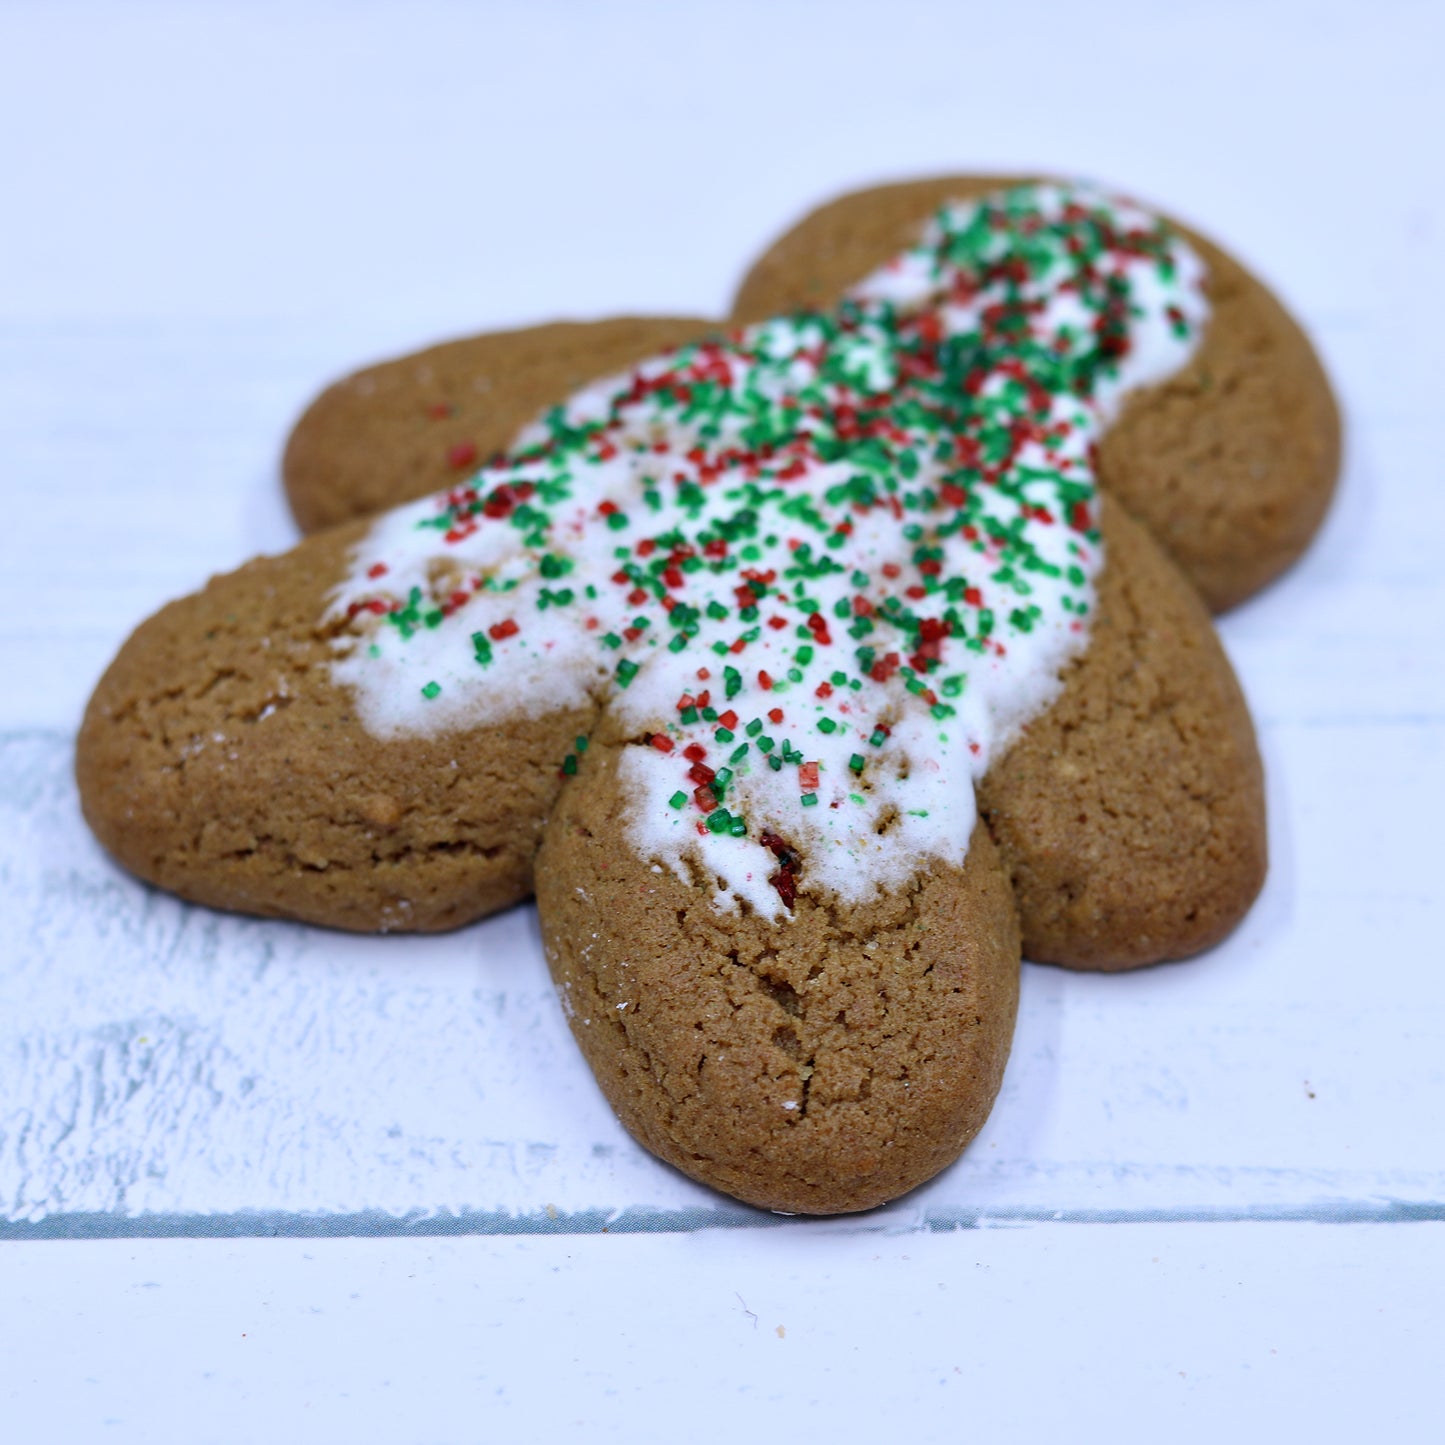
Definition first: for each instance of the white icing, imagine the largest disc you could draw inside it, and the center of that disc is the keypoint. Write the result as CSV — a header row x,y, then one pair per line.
x,y
914,800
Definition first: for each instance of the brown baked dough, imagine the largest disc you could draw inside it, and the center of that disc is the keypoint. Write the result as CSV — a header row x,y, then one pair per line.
x,y
828,1064
406,428
1231,463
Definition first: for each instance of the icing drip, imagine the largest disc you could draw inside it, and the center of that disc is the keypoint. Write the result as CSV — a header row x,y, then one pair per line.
x,y
829,564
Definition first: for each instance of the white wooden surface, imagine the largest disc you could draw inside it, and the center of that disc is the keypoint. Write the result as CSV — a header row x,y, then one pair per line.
x,y
206,212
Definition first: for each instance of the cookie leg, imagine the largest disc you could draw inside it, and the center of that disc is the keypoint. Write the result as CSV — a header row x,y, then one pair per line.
x,y
402,429
1130,814
1230,464
824,1063
220,760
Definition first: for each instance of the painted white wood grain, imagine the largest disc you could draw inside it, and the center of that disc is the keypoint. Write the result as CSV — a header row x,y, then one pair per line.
x,y
1190,1334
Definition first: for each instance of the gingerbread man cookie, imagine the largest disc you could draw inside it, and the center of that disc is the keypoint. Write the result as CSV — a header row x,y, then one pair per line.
x,y
805,673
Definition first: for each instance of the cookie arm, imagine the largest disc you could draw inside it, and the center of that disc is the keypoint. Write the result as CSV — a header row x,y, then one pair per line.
x,y
1130,814
824,1064
217,759
404,428
1232,463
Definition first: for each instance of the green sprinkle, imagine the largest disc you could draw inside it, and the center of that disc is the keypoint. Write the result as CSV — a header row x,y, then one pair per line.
x,y
432,689
678,800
